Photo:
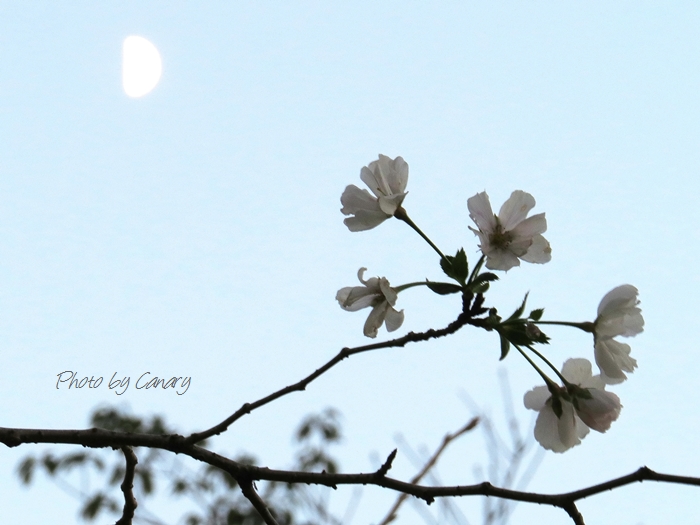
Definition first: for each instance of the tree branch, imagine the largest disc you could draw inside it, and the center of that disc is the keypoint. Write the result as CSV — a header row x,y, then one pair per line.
x,y
127,487
13,437
249,492
468,316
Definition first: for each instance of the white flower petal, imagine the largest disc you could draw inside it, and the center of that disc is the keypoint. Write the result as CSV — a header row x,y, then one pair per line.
x,y
528,228
618,313
365,220
387,291
515,209
354,298
501,260
600,410
536,398
577,370
613,359
558,435
568,428
393,319
375,319
390,204
355,199
481,213
399,181
620,296
539,251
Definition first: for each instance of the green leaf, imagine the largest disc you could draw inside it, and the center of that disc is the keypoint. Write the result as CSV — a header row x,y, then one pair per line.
x,y
505,347
443,288
485,277
536,314
460,266
520,310
446,265
456,267
481,282
479,288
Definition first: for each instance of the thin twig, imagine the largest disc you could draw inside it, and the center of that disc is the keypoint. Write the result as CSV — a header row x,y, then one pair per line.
x,y
391,515
128,487
468,316
249,492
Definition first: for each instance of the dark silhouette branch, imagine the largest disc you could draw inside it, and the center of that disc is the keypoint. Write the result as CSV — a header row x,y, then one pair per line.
x,y
470,312
97,438
387,464
127,487
248,489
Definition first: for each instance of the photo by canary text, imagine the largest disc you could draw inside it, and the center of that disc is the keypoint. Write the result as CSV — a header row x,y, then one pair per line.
x,y
69,379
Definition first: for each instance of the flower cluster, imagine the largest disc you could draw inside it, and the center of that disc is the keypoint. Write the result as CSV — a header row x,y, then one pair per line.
x,y
569,408
563,428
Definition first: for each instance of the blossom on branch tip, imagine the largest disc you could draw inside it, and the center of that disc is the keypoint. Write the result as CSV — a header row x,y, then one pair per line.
x,y
387,179
583,406
377,293
618,315
510,235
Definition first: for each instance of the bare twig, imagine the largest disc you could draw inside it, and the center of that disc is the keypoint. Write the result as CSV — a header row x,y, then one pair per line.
x,y
128,487
249,492
470,312
391,515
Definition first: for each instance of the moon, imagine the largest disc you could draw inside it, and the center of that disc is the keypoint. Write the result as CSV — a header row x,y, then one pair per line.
x,y
141,66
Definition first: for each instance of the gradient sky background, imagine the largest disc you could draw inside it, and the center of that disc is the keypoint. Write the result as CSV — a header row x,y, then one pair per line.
x,y
197,232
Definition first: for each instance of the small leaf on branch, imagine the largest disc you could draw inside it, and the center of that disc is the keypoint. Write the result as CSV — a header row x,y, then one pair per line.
x,y
443,288
505,347
485,277
479,288
456,267
520,310
536,314
480,284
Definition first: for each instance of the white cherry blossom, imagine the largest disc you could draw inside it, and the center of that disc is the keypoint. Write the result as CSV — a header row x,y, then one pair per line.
x,y
618,315
377,293
387,178
579,414
511,235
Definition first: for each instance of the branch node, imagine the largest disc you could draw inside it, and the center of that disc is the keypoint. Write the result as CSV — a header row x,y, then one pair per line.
x,y
387,464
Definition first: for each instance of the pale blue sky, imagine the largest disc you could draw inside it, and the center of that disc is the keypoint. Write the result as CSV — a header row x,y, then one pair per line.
x,y
196,231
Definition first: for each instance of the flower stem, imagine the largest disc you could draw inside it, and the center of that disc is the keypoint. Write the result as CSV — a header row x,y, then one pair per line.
x,y
544,376
538,354
586,327
476,269
410,285
401,214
